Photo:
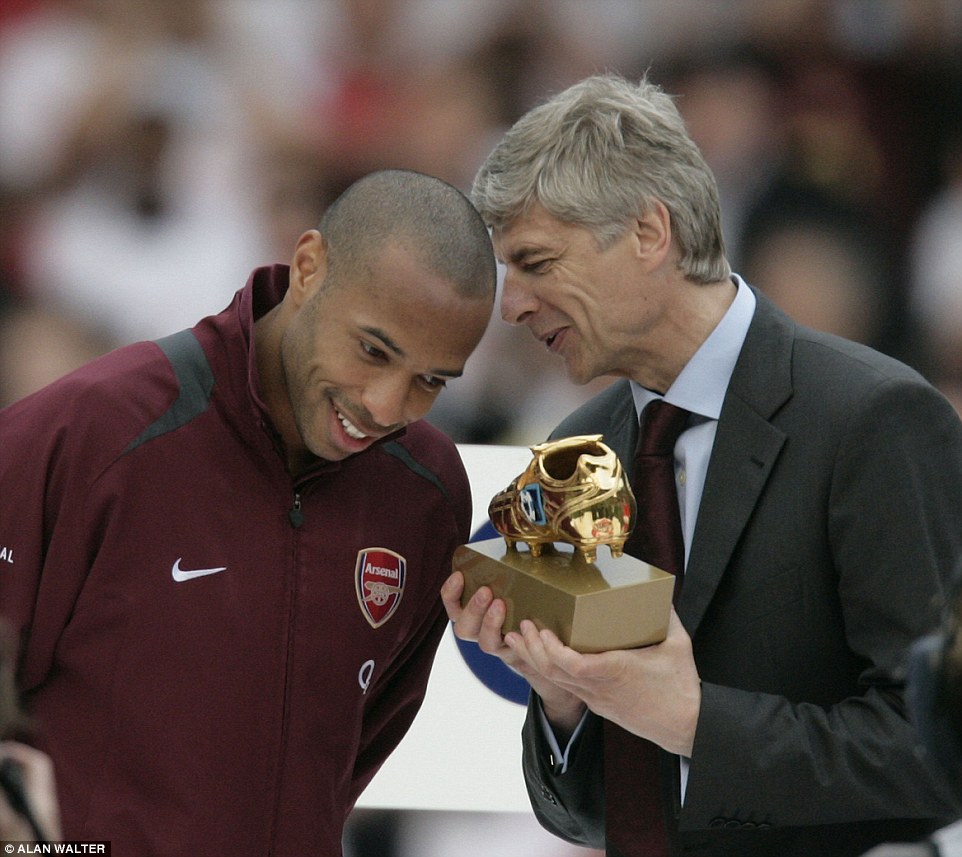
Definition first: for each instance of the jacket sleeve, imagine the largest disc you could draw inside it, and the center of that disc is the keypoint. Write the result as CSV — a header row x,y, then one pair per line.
x,y
396,700
46,525
571,804
54,446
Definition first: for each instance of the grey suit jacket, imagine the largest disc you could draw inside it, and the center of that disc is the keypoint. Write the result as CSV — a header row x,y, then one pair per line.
x,y
830,523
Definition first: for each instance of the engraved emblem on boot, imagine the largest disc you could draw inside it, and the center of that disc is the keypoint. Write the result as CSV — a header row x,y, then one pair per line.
x,y
574,490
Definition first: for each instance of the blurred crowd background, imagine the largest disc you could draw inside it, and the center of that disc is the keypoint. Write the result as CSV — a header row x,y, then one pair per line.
x,y
152,152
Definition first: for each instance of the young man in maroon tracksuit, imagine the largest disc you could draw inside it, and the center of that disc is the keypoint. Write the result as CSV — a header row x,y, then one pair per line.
x,y
223,550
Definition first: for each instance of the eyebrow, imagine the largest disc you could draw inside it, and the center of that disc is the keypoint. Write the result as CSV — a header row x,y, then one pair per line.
x,y
522,253
396,349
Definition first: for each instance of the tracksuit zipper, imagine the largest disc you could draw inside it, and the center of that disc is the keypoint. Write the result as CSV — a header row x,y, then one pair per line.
x,y
296,515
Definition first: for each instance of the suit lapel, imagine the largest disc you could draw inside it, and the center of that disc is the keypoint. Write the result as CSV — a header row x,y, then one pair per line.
x,y
745,450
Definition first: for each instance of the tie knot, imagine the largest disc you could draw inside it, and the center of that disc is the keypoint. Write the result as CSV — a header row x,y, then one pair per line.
x,y
660,427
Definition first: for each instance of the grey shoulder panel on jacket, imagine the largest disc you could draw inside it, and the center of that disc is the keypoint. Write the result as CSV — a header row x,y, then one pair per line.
x,y
195,380
403,455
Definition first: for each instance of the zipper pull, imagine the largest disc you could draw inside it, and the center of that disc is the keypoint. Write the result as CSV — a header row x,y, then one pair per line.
x,y
296,515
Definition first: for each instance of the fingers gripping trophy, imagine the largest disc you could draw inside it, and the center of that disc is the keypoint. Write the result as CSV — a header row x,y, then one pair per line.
x,y
572,499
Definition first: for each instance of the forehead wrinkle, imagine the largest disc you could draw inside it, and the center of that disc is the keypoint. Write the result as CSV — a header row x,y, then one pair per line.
x,y
527,249
533,239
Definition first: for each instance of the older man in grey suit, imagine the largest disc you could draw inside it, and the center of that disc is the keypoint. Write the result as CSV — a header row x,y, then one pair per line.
x,y
820,501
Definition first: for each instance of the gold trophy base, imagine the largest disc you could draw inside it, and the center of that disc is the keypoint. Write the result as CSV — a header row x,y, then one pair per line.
x,y
621,603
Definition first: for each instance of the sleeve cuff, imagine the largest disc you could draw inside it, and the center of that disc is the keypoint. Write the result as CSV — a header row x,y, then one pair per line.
x,y
559,757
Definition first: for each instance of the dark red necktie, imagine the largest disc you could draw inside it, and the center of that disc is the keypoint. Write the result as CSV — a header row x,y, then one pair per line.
x,y
634,806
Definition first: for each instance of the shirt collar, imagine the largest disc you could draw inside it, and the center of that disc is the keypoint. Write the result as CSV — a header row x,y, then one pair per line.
x,y
702,384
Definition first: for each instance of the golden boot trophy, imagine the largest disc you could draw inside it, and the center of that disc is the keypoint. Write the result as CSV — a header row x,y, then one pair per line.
x,y
573,492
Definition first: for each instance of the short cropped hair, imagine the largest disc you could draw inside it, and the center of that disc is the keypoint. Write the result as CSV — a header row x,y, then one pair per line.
x,y
598,155
424,214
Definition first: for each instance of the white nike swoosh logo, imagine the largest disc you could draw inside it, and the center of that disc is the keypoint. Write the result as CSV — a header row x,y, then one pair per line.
x,y
180,576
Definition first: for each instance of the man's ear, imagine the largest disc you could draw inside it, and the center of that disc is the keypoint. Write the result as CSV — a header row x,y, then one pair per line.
x,y
652,233
308,266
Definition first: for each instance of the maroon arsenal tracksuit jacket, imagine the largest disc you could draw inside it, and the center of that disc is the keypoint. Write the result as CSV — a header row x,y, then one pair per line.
x,y
217,657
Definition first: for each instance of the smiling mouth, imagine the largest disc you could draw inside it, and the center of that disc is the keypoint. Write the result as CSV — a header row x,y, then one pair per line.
x,y
350,429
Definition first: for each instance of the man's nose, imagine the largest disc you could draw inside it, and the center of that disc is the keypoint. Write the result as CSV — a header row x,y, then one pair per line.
x,y
389,401
517,301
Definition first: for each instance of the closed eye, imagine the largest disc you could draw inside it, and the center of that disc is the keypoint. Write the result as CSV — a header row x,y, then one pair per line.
x,y
373,351
539,266
432,382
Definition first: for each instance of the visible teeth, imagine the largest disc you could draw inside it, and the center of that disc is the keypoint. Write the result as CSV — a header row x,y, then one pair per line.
x,y
351,429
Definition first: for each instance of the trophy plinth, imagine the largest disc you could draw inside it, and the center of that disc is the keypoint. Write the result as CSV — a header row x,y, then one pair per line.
x,y
594,606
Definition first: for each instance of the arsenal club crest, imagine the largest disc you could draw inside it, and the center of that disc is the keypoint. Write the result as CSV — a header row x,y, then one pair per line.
x,y
379,581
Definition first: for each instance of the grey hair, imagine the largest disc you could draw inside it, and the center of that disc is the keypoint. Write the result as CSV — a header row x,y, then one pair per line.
x,y
598,155
430,217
